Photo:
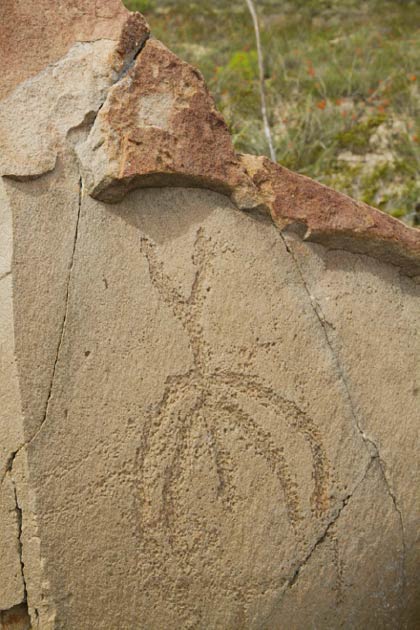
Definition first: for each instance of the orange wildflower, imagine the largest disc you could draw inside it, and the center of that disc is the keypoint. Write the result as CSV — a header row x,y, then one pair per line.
x,y
321,104
311,69
412,77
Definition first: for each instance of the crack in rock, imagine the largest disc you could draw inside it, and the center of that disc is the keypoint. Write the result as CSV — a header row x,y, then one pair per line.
x,y
369,444
20,543
333,521
17,614
133,39
64,322
10,460
9,464
5,275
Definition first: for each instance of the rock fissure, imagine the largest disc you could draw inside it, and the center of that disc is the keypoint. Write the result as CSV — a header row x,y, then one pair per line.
x,y
369,443
20,542
18,613
131,59
9,464
133,38
5,275
333,521
16,617
64,322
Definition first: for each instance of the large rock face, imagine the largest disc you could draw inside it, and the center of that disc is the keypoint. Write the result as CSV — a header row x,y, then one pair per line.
x,y
209,372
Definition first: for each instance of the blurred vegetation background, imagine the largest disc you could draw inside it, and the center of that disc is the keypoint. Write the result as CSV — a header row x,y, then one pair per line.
x,y
341,79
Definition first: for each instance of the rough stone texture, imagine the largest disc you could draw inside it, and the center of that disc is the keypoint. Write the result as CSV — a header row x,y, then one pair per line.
x,y
35,33
37,117
159,126
207,421
332,218
380,380
11,429
12,591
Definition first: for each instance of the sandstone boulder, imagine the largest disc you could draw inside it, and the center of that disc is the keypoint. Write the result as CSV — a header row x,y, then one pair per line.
x,y
209,373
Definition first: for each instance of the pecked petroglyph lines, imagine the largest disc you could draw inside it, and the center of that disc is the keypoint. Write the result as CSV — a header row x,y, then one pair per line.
x,y
225,467
263,446
297,420
211,400
186,310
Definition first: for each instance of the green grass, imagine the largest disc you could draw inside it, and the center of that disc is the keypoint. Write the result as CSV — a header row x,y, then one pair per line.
x,y
342,83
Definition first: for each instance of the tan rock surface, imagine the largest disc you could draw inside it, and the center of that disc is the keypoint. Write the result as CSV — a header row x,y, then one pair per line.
x,y
37,117
378,390
12,592
205,423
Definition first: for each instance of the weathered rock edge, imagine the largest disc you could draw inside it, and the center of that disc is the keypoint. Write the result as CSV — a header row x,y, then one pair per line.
x,y
159,127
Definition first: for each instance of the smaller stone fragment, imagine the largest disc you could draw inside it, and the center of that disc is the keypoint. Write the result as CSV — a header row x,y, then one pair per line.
x,y
332,218
159,127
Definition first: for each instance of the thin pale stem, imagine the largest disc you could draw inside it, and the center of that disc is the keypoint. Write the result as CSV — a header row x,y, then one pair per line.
x,y
267,129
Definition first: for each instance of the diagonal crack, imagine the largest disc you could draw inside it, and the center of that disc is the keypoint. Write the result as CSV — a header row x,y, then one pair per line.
x,y
64,322
131,59
4,275
11,457
127,65
370,445
9,464
324,535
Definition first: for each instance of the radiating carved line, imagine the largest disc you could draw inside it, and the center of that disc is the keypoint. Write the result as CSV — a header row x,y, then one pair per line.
x,y
226,490
174,470
263,445
297,419
161,281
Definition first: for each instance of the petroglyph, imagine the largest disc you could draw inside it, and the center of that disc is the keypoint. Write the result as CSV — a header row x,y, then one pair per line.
x,y
210,400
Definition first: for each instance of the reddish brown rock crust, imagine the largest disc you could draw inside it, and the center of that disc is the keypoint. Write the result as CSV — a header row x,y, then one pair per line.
x,y
135,32
159,127
332,218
